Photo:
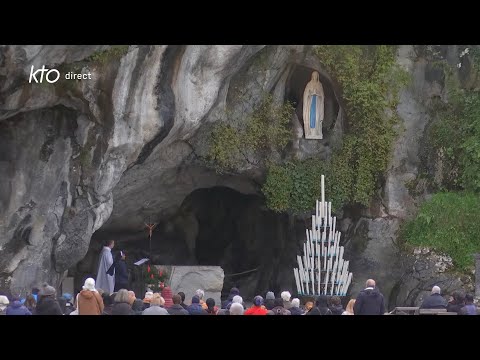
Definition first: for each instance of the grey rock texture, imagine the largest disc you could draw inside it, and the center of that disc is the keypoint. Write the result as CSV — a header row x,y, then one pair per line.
x,y
190,278
99,157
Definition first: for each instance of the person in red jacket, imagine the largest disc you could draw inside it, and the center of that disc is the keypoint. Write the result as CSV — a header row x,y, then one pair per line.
x,y
257,308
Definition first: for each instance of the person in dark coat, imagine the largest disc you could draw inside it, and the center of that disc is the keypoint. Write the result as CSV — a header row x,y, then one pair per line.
x,y
321,306
233,292
176,308
137,306
16,308
457,303
369,301
122,304
47,303
121,272
279,309
336,306
182,296
269,300
295,309
196,308
435,300
108,301
469,309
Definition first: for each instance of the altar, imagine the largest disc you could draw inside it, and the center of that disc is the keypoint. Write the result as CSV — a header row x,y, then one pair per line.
x,y
190,278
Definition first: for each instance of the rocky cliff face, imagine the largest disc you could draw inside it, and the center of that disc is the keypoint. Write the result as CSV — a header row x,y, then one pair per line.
x,y
103,155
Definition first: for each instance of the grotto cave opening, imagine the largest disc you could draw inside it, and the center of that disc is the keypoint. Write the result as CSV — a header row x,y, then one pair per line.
x,y
220,226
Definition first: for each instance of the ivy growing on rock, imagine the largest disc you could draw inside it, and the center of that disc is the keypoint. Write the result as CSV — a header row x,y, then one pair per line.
x,y
253,141
104,56
370,81
448,222
455,131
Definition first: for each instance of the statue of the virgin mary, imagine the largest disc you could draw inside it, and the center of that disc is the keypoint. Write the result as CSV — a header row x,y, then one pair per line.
x,y
313,108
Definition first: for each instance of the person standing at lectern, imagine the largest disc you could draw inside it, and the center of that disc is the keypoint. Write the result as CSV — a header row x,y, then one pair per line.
x,y
121,272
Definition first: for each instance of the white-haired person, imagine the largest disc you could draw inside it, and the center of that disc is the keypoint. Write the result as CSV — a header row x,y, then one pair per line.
x,y
295,308
156,306
237,299
201,294
3,304
236,309
89,301
285,295
435,300
147,299
122,303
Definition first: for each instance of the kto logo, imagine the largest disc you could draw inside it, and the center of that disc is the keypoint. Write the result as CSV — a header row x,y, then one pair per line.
x,y
48,75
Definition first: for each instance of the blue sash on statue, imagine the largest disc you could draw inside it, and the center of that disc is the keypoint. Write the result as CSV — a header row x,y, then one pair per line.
x,y
313,112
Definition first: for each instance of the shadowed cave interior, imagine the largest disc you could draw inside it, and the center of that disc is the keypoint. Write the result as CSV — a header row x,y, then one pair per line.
x,y
215,226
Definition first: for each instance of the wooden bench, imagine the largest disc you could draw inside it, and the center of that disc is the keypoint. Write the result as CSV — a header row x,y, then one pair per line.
x,y
405,310
433,312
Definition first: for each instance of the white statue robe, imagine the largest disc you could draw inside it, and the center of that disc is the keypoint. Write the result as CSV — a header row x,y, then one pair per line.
x,y
313,108
105,281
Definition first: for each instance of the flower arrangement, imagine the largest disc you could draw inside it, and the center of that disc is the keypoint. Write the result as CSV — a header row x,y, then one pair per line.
x,y
155,279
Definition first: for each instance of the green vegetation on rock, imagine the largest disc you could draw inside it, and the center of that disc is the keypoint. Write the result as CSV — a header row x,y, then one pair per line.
x,y
253,141
105,56
455,132
370,81
293,186
448,223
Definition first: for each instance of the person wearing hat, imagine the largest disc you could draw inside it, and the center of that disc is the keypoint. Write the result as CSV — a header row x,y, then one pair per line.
x,y
233,292
196,308
47,303
3,304
89,301
269,300
257,308
16,307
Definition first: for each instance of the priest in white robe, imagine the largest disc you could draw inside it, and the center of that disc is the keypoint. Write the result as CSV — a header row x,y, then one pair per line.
x,y
105,281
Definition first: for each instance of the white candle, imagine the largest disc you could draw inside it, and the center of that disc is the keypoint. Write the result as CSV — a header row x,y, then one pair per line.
x,y
297,281
325,207
316,209
313,280
327,276
330,210
348,284
319,268
323,187
300,266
